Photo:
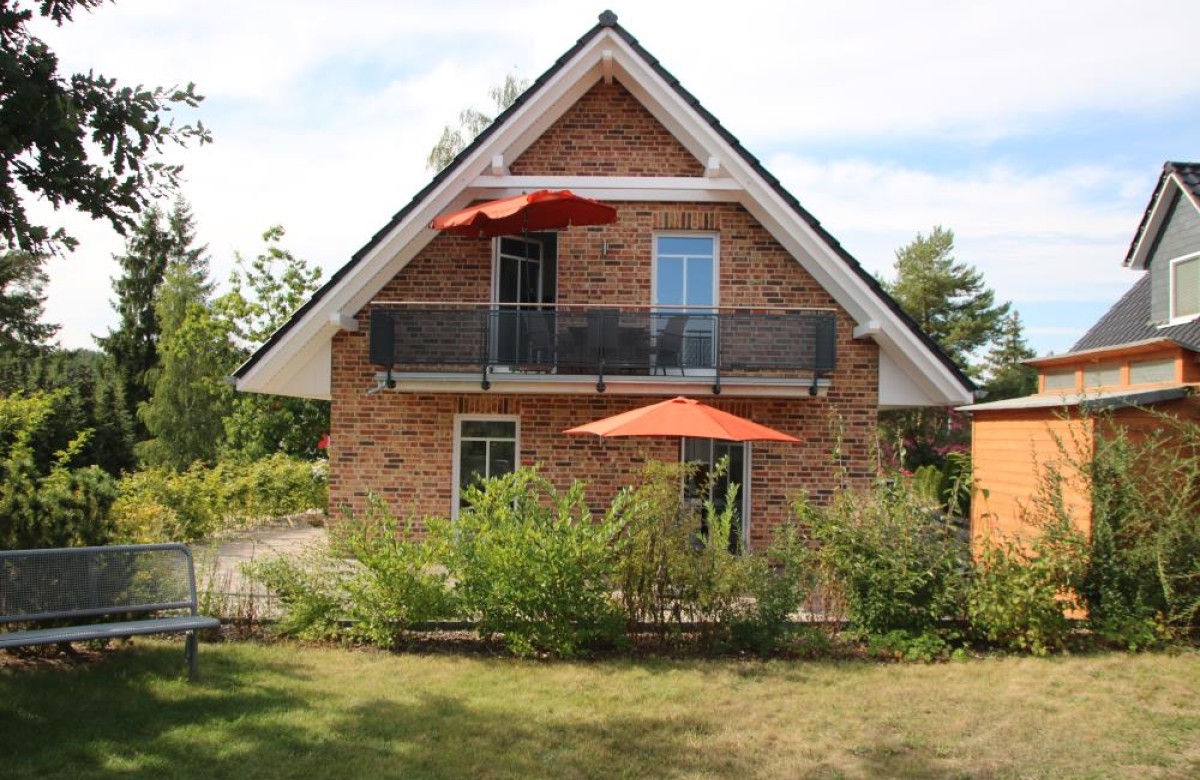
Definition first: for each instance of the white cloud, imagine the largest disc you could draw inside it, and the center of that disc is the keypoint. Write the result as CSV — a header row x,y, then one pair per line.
x,y
1053,235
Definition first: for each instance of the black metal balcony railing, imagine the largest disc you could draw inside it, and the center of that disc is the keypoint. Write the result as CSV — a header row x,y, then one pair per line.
x,y
601,341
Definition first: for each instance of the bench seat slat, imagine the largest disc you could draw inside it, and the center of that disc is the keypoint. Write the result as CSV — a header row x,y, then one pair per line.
x,y
46,636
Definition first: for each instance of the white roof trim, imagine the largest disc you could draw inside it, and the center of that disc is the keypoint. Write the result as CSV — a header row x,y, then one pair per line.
x,y
739,181
1160,211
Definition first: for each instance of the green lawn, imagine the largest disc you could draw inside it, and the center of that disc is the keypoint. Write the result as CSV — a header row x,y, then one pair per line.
x,y
285,711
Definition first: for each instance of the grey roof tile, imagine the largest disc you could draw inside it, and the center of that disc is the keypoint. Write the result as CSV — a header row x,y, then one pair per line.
x,y
1189,174
1128,321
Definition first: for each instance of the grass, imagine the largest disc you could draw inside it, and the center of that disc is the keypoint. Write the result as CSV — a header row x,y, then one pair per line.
x,y
285,711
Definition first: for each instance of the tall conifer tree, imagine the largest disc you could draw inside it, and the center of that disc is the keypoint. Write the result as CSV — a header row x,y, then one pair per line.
x,y
158,240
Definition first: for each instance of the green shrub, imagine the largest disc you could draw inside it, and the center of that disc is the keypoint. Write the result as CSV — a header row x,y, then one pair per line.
x,y
1144,574
532,564
370,582
395,582
160,504
899,645
48,505
1021,594
779,583
309,590
669,573
271,487
679,579
896,561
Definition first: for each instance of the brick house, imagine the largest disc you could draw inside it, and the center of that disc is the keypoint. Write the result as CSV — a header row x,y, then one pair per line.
x,y
446,357
1141,358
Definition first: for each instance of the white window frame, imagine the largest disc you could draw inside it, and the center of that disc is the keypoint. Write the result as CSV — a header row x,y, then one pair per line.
x,y
1179,319
657,308
744,493
456,465
716,280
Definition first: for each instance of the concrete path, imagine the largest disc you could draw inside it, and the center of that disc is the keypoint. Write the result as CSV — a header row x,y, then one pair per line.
x,y
218,563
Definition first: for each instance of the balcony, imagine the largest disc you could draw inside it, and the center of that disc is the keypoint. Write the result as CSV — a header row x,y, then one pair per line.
x,y
635,346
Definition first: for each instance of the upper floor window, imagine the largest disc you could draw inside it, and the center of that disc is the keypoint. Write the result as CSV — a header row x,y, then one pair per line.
x,y
1106,375
1149,372
1185,287
685,271
1061,380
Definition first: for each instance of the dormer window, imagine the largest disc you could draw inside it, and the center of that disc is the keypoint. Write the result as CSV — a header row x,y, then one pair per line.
x,y
1185,287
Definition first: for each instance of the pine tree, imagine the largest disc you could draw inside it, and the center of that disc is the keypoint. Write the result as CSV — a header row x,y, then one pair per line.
x,y
22,304
190,395
948,299
83,393
1008,376
133,345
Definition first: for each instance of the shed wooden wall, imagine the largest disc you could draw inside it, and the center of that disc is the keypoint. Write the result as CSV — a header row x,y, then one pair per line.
x,y
1011,451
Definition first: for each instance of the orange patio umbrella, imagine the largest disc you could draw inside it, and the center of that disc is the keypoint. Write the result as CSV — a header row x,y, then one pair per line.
x,y
541,210
682,416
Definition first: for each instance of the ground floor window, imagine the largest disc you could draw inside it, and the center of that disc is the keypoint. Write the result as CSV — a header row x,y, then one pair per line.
x,y
708,453
484,447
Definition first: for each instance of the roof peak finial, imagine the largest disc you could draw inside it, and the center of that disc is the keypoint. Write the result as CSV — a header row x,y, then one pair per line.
x,y
608,19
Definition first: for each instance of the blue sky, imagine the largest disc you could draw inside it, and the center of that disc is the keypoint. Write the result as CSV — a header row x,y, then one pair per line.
x,y
1034,130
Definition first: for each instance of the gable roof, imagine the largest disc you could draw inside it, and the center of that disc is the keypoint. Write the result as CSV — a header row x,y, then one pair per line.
x,y
1177,179
1128,322
878,315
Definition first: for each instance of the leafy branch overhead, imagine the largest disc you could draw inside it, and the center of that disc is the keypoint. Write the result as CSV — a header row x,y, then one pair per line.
x,y
82,140
472,122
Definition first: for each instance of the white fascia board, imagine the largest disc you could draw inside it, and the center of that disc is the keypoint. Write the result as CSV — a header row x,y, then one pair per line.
x,y
1158,215
852,293
575,183
391,253
667,189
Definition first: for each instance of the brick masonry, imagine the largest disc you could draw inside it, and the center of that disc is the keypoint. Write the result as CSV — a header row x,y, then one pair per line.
x,y
400,445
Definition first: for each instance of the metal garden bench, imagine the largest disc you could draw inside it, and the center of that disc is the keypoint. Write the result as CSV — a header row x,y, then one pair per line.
x,y
101,593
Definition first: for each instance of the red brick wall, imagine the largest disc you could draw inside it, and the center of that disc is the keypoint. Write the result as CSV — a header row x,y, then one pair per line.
x,y
607,133
400,445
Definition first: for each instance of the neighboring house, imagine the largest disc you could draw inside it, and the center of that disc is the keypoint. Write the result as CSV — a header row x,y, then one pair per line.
x,y
447,358
1140,359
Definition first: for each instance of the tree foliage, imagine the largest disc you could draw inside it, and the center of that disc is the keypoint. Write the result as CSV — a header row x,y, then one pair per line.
x,y
948,299
1008,375
84,393
472,122
264,293
47,504
190,399
158,240
81,140
22,305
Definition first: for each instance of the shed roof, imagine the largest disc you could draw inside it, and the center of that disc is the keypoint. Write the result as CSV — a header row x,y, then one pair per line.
x,y
1106,399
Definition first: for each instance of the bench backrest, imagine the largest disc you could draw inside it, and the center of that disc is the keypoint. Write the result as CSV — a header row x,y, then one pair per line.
x,y
94,581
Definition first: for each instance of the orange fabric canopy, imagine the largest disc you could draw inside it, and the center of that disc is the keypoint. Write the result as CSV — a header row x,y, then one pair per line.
x,y
541,210
682,416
